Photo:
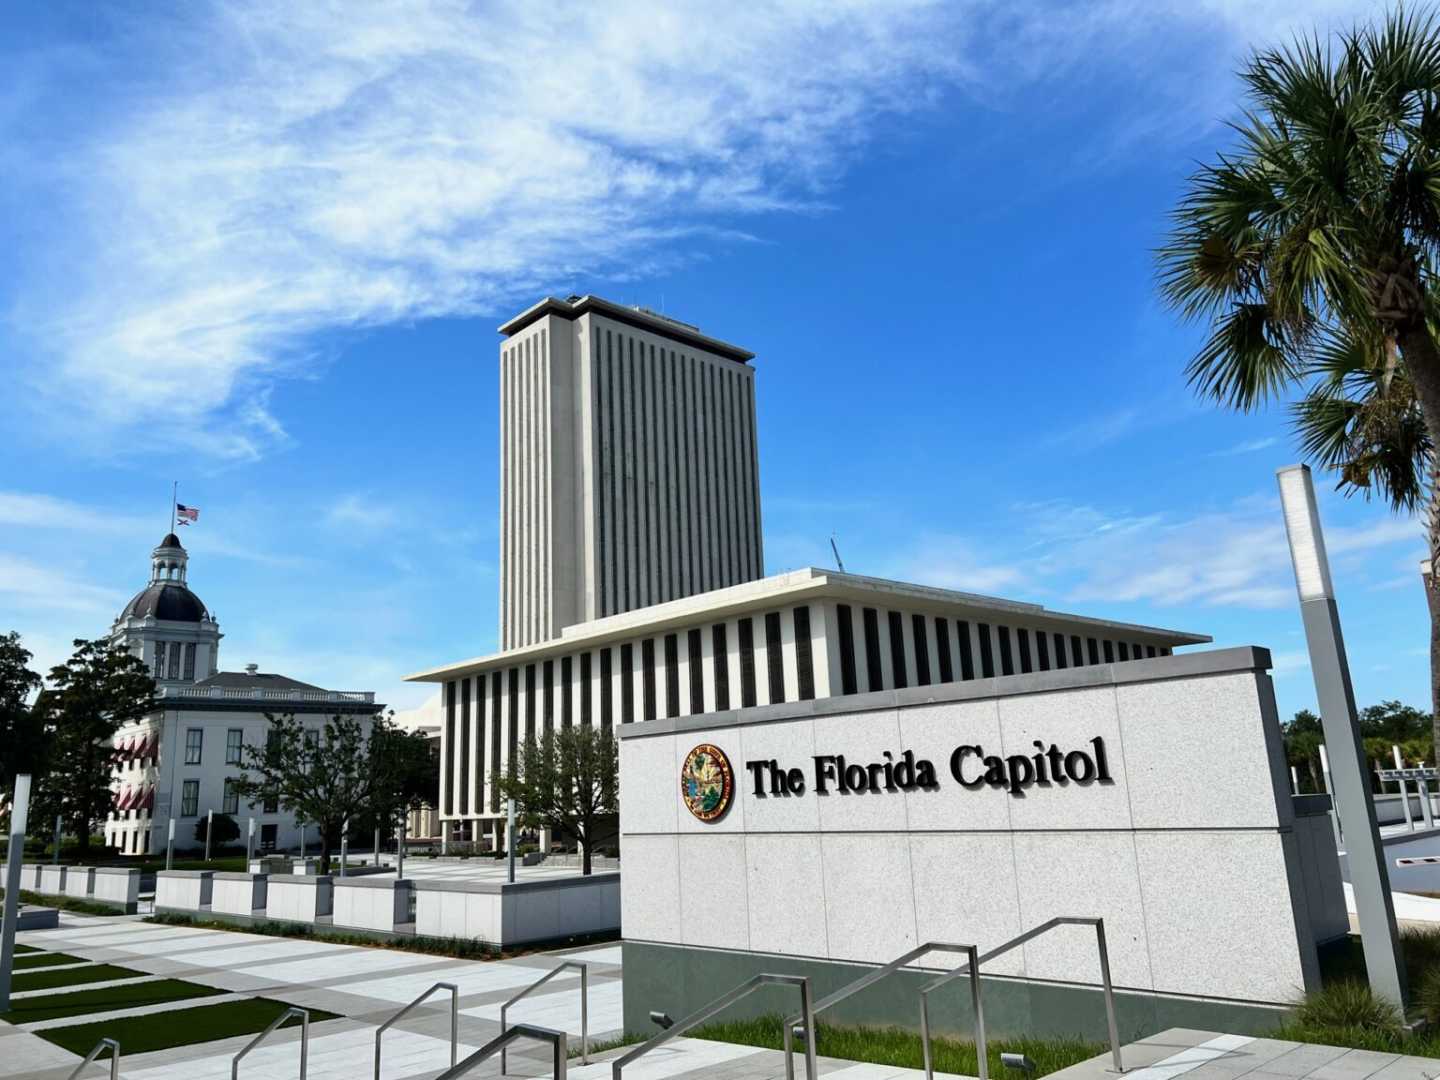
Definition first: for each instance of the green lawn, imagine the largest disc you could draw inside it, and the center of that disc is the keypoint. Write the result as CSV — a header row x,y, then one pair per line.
x,y
50,980
40,960
103,999
179,1027
21,948
894,1046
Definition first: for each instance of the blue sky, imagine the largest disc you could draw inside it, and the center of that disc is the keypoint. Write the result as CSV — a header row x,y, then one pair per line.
x,y
263,248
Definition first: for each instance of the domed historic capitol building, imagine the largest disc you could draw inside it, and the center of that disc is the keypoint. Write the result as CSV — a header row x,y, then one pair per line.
x,y
180,762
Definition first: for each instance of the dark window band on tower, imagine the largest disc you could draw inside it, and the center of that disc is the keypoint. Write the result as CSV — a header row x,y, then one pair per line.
x,y
987,658
897,649
1042,645
1007,663
672,675
873,671
1109,651
547,698
627,681
464,745
1022,639
495,726
607,696
942,649
449,748
1059,650
479,743
804,660
647,665
721,659
922,650
747,663
1092,649
967,659
587,715
513,709
774,657
1149,651
566,697
847,648
696,667
1124,648
529,702
1076,656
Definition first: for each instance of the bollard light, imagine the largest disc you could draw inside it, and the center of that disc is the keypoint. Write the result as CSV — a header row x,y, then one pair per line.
x,y
661,1019
1017,1061
1347,779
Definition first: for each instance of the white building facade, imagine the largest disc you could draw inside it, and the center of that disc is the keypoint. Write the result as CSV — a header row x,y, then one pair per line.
x,y
181,761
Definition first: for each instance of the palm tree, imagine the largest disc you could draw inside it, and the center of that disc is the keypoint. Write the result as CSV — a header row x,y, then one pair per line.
x,y
1310,249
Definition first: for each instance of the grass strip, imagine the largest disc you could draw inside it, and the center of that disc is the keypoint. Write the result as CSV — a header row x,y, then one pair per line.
x,y
19,949
178,1027
104,999
51,980
41,960
898,1047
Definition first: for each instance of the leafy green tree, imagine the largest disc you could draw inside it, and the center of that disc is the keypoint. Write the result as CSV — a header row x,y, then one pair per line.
x,y
227,830
566,780
21,733
409,775
331,773
1309,248
90,696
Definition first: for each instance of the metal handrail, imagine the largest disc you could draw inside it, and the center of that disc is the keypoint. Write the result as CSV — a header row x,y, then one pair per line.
x,y
973,966
722,1002
101,1047
584,968
557,1039
454,1021
304,1015
871,977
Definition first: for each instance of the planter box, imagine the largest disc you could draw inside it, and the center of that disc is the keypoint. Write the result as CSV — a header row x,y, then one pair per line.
x,y
79,882
505,914
183,890
372,903
118,886
52,880
298,897
238,894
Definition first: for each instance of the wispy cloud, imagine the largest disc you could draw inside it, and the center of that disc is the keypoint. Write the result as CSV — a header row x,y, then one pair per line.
x,y
1249,447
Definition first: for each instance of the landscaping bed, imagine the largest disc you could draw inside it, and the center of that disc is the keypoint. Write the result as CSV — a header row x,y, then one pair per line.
x,y
42,960
50,980
104,999
177,1027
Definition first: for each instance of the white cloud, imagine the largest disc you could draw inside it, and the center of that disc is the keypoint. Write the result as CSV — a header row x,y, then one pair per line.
x,y
28,586
292,168
1249,447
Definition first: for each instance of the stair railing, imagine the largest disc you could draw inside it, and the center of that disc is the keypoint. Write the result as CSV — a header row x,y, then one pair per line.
x,y
100,1048
719,1004
584,969
454,1021
304,1015
806,1030
558,1041
971,967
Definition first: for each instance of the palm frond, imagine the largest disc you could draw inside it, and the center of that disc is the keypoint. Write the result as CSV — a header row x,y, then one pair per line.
x,y
1246,361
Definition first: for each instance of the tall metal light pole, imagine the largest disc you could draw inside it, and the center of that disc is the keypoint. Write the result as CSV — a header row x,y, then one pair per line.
x,y
19,811
1350,787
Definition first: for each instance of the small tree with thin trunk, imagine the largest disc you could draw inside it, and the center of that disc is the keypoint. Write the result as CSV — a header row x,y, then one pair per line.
x,y
325,774
21,733
566,779
90,697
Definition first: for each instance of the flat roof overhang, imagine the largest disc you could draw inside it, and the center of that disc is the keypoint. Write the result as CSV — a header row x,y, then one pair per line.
x,y
641,320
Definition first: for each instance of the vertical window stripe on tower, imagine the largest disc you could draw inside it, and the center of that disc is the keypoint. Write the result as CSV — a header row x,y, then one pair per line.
x,y
845,624
720,658
873,671
747,663
942,649
774,657
464,746
922,650
897,649
696,668
804,659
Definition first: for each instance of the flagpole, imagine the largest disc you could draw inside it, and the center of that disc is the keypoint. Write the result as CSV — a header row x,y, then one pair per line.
x,y
174,490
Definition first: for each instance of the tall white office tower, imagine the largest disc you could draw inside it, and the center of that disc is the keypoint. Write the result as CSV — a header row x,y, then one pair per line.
x,y
628,467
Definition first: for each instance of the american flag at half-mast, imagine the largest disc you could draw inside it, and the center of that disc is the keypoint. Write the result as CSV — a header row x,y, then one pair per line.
x,y
185,515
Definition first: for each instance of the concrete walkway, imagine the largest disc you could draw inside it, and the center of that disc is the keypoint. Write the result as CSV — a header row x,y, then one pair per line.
x,y
1210,1055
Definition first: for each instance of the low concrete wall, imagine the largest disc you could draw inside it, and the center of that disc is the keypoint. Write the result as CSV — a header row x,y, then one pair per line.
x,y
505,914
238,894
372,903
116,885
79,882
183,890
298,897
52,880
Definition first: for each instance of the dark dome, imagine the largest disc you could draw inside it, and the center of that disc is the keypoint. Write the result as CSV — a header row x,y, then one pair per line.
x,y
166,600
171,541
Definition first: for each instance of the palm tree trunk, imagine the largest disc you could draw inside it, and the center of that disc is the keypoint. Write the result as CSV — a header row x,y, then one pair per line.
x,y
1422,363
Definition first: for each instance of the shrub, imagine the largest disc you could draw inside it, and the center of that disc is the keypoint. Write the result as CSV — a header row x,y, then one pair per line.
x,y
226,830
1348,1004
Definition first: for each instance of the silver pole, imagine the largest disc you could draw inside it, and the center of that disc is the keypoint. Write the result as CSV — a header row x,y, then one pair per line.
x,y
510,837
400,856
302,840
1375,906
1425,810
344,844
170,846
249,843
209,831
376,848
1294,781
19,811
57,838
1404,791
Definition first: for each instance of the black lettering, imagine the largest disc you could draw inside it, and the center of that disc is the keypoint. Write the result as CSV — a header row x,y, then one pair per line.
x,y
957,766
1079,767
925,775
889,772
824,769
757,770
1022,773
855,776
1102,765
1057,764
875,770
905,771
1042,776
995,771
795,780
